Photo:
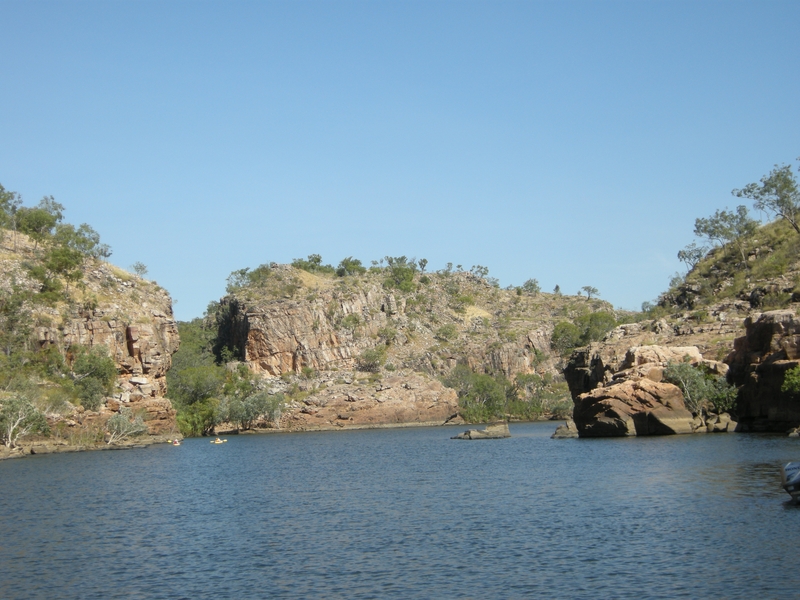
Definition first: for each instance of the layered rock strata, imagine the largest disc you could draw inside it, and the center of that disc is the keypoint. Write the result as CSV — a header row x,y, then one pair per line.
x,y
131,317
326,323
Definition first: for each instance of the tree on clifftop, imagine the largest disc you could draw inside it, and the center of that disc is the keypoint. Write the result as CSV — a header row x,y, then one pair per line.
x,y
691,255
777,193
727,227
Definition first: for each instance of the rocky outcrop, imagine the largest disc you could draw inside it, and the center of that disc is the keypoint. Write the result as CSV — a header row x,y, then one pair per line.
x,y
642,407
140,334
405,398
316,328
495,431
626,395
759,361
110,308
294,320
285,335
566,431
605,364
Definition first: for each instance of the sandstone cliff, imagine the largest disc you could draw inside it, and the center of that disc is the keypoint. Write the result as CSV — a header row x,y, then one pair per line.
x,y
106,307
310,329
634,349
324,322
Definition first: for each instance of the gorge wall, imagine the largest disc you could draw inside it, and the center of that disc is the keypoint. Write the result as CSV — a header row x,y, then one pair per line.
x,y
316,330
129,316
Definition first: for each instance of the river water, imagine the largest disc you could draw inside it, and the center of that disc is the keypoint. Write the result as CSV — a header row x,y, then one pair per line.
x,y
404,513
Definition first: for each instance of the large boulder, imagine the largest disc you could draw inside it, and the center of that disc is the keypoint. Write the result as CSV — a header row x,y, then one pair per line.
x,y
633,407
605,364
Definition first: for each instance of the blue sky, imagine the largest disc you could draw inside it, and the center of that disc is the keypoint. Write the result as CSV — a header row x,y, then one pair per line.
x,y
571,142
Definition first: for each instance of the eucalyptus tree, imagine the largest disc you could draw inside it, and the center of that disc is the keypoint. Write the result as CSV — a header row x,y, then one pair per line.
x,y
691,255
777,193
727,227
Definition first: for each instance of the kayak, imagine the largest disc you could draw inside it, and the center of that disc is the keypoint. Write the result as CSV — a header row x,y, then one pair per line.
x,y
218,441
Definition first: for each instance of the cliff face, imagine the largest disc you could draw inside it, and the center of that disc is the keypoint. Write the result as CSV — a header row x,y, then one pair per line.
x,y
629,350
318,330
285,336
110,308
326,324
759,361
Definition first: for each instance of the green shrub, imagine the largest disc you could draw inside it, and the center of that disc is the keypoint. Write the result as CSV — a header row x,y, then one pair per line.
x,y
791,382
94,373
18,418
198,418
481,397
387,334
124,425
313,264
446,332
400,273
244,413
595,325
350,266
372,359
192,385
351,321
90,392
566,336
702,390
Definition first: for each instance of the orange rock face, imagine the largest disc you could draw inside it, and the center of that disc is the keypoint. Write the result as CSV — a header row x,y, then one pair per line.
x,y
284,336
641,407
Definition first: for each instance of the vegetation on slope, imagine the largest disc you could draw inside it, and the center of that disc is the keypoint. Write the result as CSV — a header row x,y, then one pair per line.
x,y
739,259
43,263
206,393
451,317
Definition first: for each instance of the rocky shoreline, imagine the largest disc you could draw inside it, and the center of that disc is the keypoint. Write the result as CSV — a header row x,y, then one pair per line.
x,y
42,447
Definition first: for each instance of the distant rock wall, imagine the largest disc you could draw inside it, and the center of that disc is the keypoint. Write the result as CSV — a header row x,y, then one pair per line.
x,y
328,327
287,335
404,398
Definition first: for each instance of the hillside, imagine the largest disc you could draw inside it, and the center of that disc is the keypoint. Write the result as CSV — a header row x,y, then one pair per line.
x,y
84,345
738,306
767,278
387,345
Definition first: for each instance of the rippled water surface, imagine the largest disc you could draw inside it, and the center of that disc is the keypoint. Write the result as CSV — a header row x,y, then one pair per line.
x,y
405,513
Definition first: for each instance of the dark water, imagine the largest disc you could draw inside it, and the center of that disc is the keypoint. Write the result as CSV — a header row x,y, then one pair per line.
x,y
404,513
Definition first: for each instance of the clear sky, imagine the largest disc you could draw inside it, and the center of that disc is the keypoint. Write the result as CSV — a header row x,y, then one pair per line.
x,y
571,142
